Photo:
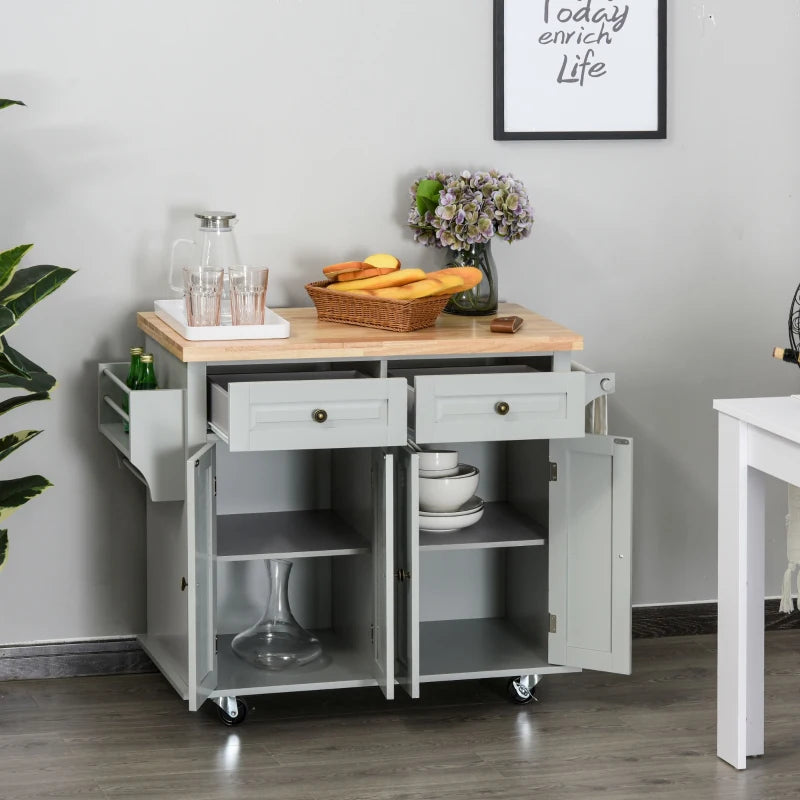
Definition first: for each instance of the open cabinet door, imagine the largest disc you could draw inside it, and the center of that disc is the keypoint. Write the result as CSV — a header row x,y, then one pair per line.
x,y
590,553
383,571
201,520
408,574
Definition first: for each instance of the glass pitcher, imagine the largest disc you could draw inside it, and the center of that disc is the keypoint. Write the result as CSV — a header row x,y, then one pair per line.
x,y
214,246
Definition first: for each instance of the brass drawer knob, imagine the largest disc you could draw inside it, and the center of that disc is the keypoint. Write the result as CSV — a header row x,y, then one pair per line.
x,y
319,415
502,408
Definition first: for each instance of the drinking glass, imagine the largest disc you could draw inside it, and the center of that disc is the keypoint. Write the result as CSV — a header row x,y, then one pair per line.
x,y
202,290
248,286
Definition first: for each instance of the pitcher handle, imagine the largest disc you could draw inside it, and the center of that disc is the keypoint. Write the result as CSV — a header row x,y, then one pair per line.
x,y
172,264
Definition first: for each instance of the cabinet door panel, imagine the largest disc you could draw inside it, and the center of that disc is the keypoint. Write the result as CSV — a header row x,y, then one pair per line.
x,y
590,553
383,571
407,589
201,520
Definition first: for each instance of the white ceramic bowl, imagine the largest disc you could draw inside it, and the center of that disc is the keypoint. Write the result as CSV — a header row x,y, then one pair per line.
x,y
438,473
441,523
437,460
472,505
448,493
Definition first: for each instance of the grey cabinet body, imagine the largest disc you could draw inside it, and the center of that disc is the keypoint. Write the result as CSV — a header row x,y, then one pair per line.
x,y
316,462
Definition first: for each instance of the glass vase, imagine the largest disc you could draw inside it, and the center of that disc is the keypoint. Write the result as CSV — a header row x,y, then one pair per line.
x,y
277,641
481,300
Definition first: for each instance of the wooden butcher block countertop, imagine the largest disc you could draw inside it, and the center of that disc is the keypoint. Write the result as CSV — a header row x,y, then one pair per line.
x,y
311,339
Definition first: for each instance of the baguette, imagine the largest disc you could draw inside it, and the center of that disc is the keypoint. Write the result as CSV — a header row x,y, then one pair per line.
x,y
397,277
470,276
369,272
445,284
332,270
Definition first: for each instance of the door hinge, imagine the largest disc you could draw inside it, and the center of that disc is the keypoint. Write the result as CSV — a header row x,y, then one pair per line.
x,y
553,471
403,575
216,645
553,623
372,634
215,486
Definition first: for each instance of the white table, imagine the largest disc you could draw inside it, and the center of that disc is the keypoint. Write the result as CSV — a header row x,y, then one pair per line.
x,y
757,436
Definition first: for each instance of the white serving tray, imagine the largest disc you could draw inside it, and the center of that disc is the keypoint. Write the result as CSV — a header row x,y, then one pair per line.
x,y
173,312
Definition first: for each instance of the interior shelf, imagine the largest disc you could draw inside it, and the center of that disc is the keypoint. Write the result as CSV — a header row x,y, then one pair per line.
x,y
339,667
479,648
501,526
116,434
286,534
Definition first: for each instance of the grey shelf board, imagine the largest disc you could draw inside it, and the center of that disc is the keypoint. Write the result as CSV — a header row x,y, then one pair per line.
x,y
501,526
116,434
286,534
339,667
461,649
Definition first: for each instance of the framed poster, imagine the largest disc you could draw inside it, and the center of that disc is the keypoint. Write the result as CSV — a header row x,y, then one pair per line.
x,y
580,69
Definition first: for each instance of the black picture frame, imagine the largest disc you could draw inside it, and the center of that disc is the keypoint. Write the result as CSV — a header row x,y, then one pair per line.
x,y
515,102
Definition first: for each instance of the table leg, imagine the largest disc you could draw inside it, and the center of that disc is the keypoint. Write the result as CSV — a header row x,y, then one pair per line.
x,y
740,561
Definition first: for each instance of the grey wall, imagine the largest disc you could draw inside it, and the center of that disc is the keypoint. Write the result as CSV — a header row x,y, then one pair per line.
x,y
676,259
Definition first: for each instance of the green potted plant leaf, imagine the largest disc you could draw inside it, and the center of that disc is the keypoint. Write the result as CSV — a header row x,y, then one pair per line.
x,y
20,289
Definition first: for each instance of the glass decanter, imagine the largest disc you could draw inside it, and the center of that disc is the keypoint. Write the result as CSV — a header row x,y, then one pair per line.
x,y
277,641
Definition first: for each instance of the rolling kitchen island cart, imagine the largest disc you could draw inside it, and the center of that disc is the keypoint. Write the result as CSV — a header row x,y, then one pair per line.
x,y
304,448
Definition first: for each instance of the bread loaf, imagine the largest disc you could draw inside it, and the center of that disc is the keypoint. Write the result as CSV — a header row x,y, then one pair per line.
x,y
422,288
359,274
397,277
470,276
383,261
332,270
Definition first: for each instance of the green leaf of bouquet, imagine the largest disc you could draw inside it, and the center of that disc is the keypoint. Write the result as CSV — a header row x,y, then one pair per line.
x,y
30,285
3,547
6,103
17,491
37,380
21,400
9,261
428,195
13,441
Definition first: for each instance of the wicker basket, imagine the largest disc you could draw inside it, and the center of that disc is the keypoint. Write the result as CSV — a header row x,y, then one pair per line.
x,y
375,312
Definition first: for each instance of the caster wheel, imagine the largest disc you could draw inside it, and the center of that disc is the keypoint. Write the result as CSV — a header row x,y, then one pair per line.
x,y
520,694
226,719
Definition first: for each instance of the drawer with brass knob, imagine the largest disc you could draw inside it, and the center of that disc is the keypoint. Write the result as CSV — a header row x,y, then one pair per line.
x,y
302,411
493,403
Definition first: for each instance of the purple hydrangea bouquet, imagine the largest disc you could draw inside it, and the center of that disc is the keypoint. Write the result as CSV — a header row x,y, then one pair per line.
x,y
463,213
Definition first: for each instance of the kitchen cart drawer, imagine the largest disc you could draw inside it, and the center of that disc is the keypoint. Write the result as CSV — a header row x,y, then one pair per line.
x,y
147,429
307,411
496,405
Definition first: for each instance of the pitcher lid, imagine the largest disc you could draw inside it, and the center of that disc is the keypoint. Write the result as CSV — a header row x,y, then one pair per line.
x,y
215,219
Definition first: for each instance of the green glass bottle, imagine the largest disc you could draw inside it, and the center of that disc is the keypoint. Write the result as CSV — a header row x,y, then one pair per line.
x,y
130,381
147,374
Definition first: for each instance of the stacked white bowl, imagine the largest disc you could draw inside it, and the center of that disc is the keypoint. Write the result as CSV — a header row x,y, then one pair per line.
x,y
447,499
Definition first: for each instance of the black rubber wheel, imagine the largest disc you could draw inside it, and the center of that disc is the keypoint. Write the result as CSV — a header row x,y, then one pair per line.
x,y
227,719
518,693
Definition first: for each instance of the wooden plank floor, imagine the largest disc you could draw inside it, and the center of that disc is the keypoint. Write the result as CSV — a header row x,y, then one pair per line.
x,y
648,735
